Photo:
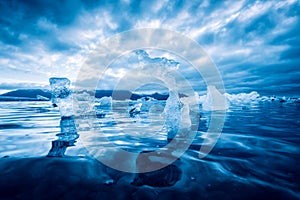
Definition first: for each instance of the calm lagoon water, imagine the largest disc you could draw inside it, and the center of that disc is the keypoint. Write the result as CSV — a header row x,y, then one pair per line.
x,y
256,156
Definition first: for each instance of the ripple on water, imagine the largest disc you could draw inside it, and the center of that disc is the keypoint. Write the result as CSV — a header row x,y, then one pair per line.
x,y
258,148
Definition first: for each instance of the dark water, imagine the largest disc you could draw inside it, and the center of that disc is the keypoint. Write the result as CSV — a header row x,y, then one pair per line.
x,y
256,156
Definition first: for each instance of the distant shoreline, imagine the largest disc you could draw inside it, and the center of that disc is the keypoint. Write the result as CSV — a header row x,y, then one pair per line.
x,y
45,95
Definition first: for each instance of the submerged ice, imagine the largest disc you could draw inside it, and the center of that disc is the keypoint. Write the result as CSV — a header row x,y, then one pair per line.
x,y
66,138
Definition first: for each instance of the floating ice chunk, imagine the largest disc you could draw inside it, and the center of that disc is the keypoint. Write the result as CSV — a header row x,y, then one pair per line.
x,y
84,104
147,103
135,109
59,88
61,95
40,97
264,98
103,106
172,114
148,99
191,100
176,113
105,102
214,100
65,107
285,100
185,116
202,99
190,106
245,99
242,98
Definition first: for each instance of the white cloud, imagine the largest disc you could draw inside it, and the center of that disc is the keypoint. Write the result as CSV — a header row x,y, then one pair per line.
x,y
45,24
221,31
149,23
255,10
126,1
159,5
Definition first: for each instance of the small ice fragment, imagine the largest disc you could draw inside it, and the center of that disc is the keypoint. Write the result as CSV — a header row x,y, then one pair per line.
x,y
42,98
102,106
214,100
242,98
135,109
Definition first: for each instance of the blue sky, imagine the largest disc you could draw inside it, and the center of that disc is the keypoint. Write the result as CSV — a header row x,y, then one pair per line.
x,y
255,45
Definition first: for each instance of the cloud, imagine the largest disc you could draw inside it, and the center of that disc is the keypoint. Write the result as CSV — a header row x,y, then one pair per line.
x,y
246,40
11,86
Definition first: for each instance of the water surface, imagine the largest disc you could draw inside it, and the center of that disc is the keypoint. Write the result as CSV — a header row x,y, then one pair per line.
x,y
256,154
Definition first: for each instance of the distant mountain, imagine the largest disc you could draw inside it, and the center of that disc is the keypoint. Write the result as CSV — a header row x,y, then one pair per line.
x,y
29,93
26,95
125,94
115,94
45,95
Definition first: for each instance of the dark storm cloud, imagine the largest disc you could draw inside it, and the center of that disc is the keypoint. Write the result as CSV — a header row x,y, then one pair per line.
x,y
26,20
21,20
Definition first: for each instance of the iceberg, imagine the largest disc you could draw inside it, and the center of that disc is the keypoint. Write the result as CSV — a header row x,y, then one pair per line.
x,y
102,106
135,109
172,114
242,98
176,112
142,106
147,103
104,102
214,100
61,95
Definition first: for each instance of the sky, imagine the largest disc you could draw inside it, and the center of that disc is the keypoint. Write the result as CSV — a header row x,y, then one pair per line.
x,y
254,44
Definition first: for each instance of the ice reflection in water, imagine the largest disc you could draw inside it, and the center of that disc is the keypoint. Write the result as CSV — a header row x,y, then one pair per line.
x,y
66,138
